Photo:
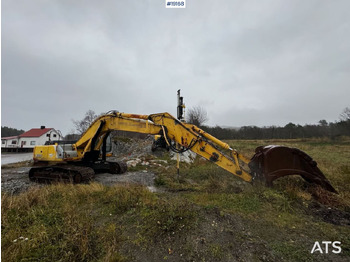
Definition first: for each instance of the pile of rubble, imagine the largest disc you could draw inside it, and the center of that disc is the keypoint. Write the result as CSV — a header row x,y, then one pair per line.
x,y
132,148
187,157
138,152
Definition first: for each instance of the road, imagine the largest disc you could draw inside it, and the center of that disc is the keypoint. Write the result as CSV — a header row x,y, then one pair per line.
x,y
10,158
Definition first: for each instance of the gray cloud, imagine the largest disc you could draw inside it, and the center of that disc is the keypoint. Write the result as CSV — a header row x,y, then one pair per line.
x,y
246,62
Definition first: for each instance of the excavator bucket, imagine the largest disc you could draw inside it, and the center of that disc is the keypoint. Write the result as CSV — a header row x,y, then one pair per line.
x,y
273,162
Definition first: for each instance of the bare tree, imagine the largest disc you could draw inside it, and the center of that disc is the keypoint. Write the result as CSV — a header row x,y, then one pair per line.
x,y
345,115
197,116
323,122
82,125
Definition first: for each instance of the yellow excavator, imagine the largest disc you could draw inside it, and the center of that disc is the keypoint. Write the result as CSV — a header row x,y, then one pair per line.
x,y
79,161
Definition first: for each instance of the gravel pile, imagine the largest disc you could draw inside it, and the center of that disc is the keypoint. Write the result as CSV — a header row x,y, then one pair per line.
x,y
133,148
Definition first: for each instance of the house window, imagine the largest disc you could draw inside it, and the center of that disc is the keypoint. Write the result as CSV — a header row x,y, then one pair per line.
x,y
24,143
32,143
3,142
14,142
54,135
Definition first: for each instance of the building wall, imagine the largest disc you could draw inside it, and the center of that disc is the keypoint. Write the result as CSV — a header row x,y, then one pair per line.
x,y
9,143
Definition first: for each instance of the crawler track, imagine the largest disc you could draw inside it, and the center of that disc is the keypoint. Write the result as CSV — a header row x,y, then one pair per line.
x,y
119,167
62,173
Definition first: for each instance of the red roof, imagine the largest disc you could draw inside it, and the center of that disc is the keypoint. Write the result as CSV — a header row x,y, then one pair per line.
x,y
9,137
35,132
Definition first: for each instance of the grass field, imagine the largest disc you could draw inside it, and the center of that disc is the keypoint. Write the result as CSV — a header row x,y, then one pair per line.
x,y
205,214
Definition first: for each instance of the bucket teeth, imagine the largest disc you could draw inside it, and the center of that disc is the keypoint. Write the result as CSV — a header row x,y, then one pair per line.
x,y
273,162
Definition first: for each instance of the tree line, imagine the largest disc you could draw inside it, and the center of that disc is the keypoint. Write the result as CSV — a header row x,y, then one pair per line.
x,y
331,130
9,131
289,131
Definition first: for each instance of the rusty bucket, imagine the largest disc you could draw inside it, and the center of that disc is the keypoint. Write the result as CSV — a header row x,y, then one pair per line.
x,y
272,162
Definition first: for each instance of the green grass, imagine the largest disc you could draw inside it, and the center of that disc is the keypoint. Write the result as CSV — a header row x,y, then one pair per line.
x,y
205,214
87,222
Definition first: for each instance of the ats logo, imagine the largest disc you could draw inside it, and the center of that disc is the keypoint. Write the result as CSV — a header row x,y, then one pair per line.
x,y
326,247
175,4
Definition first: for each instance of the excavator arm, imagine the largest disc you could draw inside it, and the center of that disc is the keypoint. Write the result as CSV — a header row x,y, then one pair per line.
x,y
190,137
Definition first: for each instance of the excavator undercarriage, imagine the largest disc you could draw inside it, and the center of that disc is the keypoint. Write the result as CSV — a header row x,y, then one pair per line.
x,y
61,173
74,172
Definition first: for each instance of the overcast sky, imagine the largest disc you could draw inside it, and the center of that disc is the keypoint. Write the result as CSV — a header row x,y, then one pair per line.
x,y
246,62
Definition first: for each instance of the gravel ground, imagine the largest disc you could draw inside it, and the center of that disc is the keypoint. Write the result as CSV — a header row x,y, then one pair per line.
x,y
15,180
141,178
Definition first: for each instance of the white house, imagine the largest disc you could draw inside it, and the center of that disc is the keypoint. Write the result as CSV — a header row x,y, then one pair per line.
x,y
28,140
9,142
